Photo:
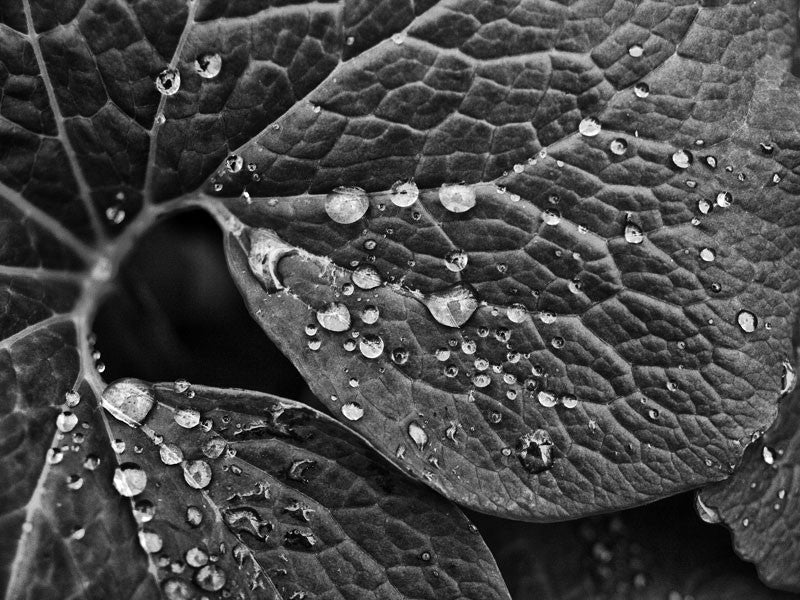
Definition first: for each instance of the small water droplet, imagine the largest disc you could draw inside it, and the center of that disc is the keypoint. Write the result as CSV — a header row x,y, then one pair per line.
x,y
546,399
197,473
768,454
569,401
707,254
366,277
618,146
74,482
352,411
633,233
481,380
788,378
66,421
404,193
334,316
457,198
400,356
170,454
208,65
641,90
371,346
346,205
636,50
150,541
551,217
194,516
747,321
589,127
418,435
168,82
370,314
704,206
129,480
682,159
128,400
187,418
456,260
452,307
724,199
211,578
196,557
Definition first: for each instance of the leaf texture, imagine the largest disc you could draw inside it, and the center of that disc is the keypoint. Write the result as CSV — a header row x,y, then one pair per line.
x,y
604,318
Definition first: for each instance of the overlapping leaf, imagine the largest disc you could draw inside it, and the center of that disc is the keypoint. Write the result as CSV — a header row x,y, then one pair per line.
x,y
630,258
759,503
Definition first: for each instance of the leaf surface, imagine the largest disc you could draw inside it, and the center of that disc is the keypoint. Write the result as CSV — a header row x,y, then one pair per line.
x,y
590,304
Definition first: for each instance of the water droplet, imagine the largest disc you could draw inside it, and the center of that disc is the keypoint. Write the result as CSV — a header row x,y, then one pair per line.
x,y
788,378
704,206
144,511
371,346
546,399
150,541
535,451
197,473
214,447
481,380
551,217
334,317
636,50
404,193
589,127
442,354
682,159
618,146
633,233
456,260
768,454
747,321
352,411
516,313
569,401
210,578
74,482
234,163
170,454
557,342
187,418
400,356
366,277
66,421
346,205
370,314
707,254
129,480
707,514
641,89
194,516
128,400
208,65
653,413
724,199
457,198
168,82
418,434
398,38
469,347
196,557
452,307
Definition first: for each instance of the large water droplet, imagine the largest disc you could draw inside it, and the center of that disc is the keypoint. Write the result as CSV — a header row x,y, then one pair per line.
x,y
788,378
129,400
457,198
707,254
210,578
334,316
170,454
234,163
418,434
535,451
150,541
589,127
747,321
618,146
551,216
404,193
371,346
366,277
352,411
346,205
633,233
456,260
197,473
208,65
187,418
724,199
682,159
129,480
641,89
66,421
452,307
370,314
168,82
517,313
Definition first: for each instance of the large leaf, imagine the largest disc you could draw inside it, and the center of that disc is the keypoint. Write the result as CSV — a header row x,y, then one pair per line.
x,y
92,134
590,304
759,503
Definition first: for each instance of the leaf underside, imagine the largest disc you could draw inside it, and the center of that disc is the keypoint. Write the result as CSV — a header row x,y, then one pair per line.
x,y
316,95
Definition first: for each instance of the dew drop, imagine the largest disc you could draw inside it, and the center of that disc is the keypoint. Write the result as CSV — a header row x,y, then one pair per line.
x,y
452,307
352,411
196,557
704,206
210,578
516,313
66,421
234,163
724,199
74,482
747,321
456,260
633,233
129,480
442,354
170,454
481,380
707,254
370,314
168,82
768,454
569,401
128,400
682,159
546,399
346,205
371,346
457,198
194,516
187,418
641,90
551,217
707,514
197,473
404,193
366,277
150,541
208,65
535,451
334,317
636,50
418,435
618,146
788,378
589,127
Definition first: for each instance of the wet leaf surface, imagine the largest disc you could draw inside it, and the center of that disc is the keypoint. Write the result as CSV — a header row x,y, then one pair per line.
x,y
559,289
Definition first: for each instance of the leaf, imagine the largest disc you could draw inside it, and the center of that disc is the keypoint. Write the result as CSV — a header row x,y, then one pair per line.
x,y
272,499
589,304
759,502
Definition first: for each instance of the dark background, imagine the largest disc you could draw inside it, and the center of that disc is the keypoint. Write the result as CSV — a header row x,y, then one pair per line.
x,y
176,313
